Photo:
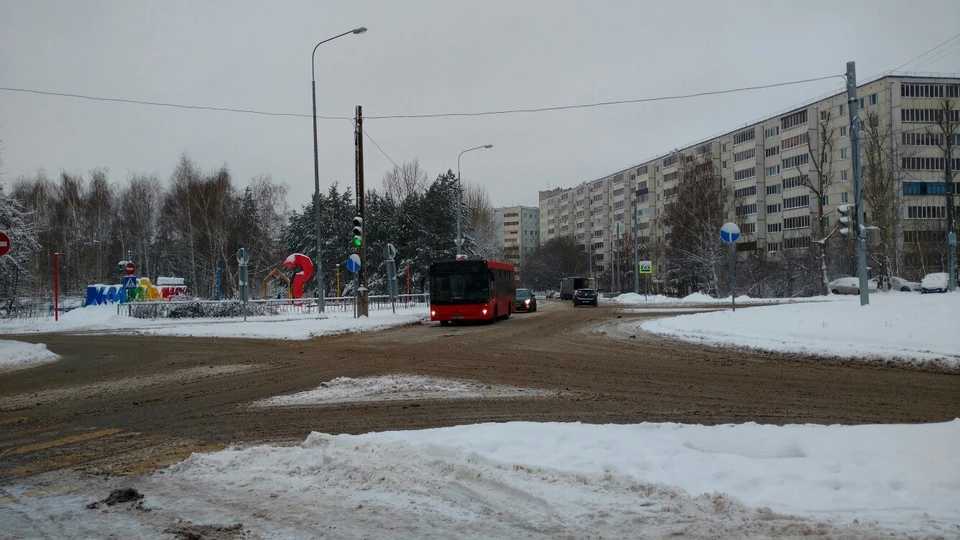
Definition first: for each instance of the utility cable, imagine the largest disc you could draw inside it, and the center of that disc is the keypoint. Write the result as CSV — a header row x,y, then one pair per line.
x,y
429,115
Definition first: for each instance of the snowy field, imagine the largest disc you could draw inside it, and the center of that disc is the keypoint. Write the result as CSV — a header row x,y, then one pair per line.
x,y
540,480
895,326
104,320
18,355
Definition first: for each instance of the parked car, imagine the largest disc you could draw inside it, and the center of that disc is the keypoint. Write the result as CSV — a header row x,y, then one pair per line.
x,y
585,297
526,301
850,285
934,283
900,284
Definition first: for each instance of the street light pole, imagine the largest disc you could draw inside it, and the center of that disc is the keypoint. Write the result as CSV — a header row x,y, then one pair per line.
x,y
316,166
459,240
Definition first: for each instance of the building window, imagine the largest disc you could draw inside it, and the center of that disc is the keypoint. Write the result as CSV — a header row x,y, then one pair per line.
x,y
749,153
843,153
926,212
799,222
749,228
743,193
773,247
724,164
843,109
843,176
795,161
669,161
773,208
799,201
772,132
795,141
773,171
926,116
929,188
747,209
771,151
796,181
927,163
796,243
794,120
746,173
743,136
670,177
843,131
641,170
843,197
773,227
773,190
873,99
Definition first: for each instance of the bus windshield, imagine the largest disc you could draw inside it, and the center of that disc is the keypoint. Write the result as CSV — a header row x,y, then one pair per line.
x,y
460,287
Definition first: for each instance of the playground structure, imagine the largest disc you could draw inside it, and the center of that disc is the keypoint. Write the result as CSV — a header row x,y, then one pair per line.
x,y
279,275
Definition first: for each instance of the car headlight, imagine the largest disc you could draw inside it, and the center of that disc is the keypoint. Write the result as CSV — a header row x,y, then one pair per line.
x,y
527,302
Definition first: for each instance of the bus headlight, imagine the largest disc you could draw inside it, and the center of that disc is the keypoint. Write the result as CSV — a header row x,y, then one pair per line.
x,y
433,313
484,312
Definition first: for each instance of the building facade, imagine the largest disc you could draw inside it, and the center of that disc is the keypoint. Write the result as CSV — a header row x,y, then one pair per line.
x,y
772,170
518,231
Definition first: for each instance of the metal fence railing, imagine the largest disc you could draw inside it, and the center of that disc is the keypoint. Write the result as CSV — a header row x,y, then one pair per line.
x,y
177,309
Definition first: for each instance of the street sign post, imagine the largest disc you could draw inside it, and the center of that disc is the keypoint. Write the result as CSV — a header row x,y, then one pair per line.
x,y
389,253
645,267
242,259
730,233
129,282
353,263
129,269
4,244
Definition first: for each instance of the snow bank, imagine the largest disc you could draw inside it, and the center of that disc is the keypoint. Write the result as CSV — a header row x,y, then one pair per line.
x,y
19,355
898,326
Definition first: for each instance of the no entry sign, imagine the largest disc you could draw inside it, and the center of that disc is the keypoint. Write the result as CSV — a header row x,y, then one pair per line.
x,y
130,269
4,243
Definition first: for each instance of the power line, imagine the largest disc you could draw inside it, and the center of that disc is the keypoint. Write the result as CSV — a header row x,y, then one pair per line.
x,y
601,103
174,105
428,115
955,48
925,53
380,149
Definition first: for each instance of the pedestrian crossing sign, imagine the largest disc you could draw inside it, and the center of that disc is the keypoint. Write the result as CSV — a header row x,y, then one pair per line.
x,y
646,267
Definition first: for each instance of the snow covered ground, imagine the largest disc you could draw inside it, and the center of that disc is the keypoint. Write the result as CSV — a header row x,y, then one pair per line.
x,y
18,355
104,319
521,479
895,326
545,480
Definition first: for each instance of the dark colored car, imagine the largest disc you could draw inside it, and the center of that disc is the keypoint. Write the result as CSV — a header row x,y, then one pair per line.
x,y
526,301
585,297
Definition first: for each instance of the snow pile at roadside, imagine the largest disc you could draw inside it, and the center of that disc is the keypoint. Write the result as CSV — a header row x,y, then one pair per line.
x,y
104,319
398,387
540,480
19,355
700,298
896,326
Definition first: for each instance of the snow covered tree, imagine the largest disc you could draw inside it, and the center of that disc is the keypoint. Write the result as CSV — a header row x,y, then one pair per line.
x,y
14,266
695,256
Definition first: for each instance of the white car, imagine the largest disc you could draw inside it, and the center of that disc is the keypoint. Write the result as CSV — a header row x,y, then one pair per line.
x,y
850,285
902,285
932,283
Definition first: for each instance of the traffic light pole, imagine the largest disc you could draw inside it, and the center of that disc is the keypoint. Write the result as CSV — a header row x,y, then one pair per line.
x,y
859,227
363,306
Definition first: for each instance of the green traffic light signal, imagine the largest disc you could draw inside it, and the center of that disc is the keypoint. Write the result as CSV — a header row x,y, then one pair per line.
x,y
357,241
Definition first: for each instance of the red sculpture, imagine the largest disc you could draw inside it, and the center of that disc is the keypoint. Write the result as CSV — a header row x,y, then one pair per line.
x,y
306,270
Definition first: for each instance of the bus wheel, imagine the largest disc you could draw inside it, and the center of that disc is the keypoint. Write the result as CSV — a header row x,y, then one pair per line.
x,y
495,316
444,323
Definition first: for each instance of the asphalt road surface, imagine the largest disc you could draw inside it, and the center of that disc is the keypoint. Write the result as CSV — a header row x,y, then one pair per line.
x,y
124,404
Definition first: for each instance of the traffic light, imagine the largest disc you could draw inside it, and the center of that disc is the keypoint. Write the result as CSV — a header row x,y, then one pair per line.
x,y
846,217
357,231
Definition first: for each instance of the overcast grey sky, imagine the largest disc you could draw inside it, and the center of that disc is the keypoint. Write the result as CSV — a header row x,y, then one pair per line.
x,y
424,57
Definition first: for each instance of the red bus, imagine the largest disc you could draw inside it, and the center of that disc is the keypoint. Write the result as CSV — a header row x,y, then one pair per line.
x,y
471,291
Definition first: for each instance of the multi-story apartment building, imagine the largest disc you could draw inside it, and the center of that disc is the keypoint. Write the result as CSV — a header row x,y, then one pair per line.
x,y
769,167
518,231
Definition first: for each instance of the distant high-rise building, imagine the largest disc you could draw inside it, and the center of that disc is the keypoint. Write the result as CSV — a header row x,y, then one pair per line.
x,y
518,231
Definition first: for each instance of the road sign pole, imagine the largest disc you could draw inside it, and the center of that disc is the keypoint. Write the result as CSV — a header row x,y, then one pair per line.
x,y
733,278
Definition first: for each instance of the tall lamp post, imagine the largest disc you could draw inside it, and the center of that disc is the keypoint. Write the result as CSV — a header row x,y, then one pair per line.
x,y
460,193
316,165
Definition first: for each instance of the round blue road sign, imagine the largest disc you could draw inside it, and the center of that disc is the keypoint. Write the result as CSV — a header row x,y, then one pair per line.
x,y
729,233
353,263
